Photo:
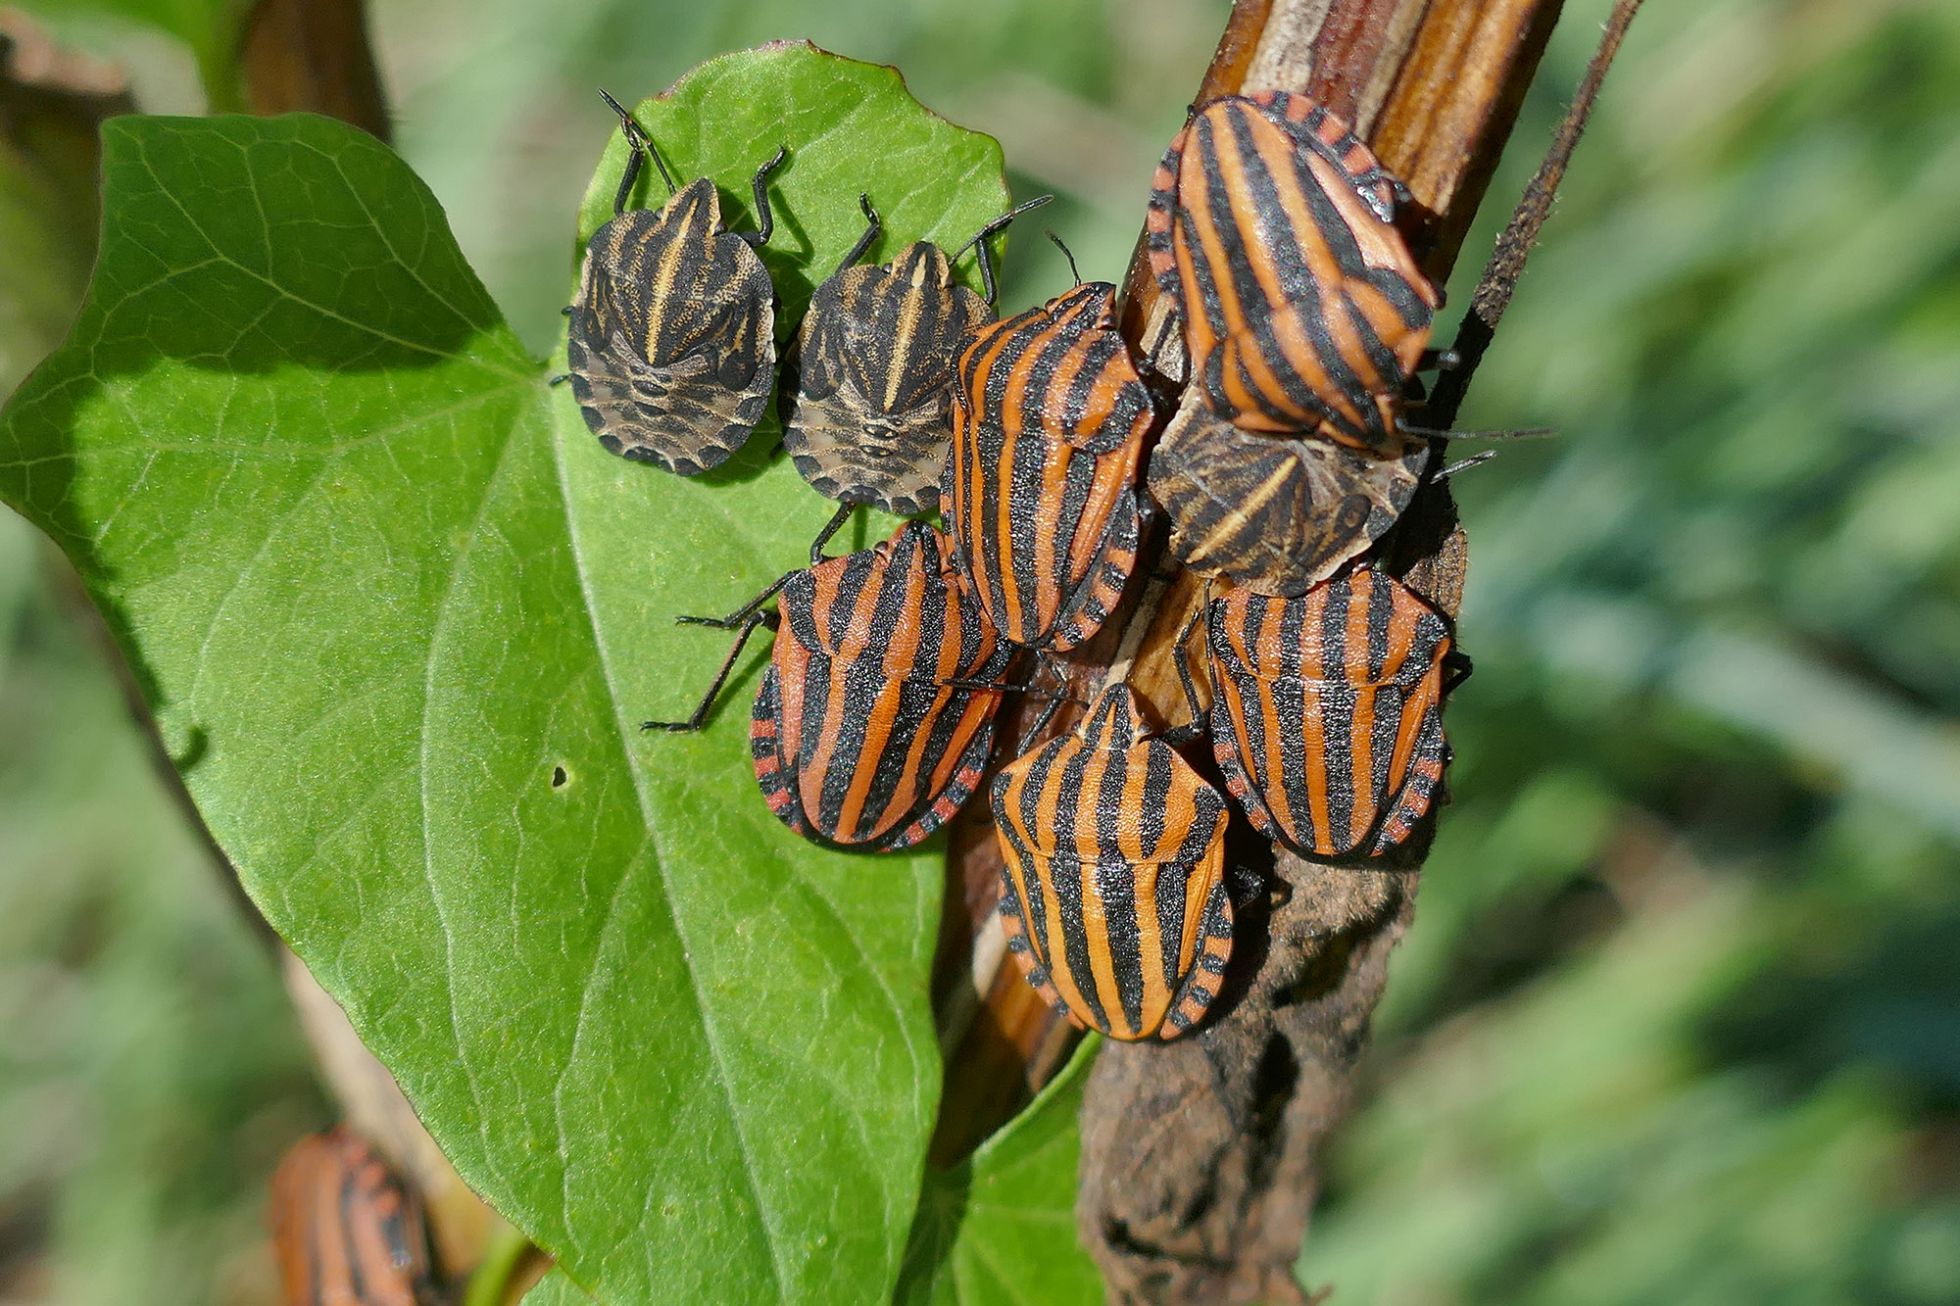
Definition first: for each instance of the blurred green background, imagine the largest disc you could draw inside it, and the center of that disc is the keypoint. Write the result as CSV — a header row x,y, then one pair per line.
x,y
1679,1021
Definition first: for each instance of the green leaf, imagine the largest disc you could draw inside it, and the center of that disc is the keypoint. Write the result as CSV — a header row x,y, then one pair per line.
x,y
1001,1227
398,616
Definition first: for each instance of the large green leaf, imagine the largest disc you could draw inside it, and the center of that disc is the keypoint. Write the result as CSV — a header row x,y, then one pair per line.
x,y
398,616
1000,1228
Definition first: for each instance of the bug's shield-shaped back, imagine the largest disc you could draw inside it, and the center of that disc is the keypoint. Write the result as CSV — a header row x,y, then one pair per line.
x,y
1113,897
869,417
1042,499
671,347
860,734
1270,229
1328,717
1276,515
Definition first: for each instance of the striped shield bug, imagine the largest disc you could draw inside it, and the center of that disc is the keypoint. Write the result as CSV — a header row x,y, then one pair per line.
x,y
1327,715
1271,228
1113,892
1042,502
875,719
1277,516
345,1230
867,420
671,343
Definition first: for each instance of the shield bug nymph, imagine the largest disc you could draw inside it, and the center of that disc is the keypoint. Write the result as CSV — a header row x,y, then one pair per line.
x,y
671,344
875,719
1049,419
1272,230
868,418
1113,892
1327,714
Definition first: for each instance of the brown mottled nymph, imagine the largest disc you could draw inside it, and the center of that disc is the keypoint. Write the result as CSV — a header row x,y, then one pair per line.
x,y
672,346
869,417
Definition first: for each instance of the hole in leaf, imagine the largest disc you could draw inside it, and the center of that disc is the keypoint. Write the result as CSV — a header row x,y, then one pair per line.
x,y
558,777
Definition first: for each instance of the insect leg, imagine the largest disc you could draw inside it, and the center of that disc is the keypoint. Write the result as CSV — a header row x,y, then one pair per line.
x,y
872,228
830,528
700,714
1438,360
759,189
743,614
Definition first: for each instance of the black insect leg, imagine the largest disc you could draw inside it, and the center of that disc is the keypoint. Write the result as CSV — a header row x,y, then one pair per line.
x,y
759,189
744,614
830,528
1438,360
700,715
1456,669
872,227
1185,733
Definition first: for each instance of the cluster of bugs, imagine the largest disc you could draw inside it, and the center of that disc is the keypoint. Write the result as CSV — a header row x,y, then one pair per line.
x,y
1036,438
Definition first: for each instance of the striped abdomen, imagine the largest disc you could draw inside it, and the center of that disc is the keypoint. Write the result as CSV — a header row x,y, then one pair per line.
x,y
1328,718
1048,426
1277,516
870,416
671,348
1113,893
345,1230
859,735
1271,228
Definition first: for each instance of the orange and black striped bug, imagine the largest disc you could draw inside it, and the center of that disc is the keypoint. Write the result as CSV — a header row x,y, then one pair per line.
x,y
346,1230
875,719
1275,515
1113,894
1049,417
867,419
1327,714
671,345
1272,230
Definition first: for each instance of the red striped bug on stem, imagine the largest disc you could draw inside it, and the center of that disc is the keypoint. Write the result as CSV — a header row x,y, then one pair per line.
x,y
671,344
1113,888
1041,497
1326,711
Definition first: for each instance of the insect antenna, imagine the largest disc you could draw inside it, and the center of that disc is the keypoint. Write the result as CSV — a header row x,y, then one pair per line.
x,y
1065,254
1464,465
978,244
1502,433
759,191
873,225
640,144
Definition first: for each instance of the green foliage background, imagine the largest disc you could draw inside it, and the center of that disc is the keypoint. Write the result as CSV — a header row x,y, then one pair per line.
x,y
1679,1021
